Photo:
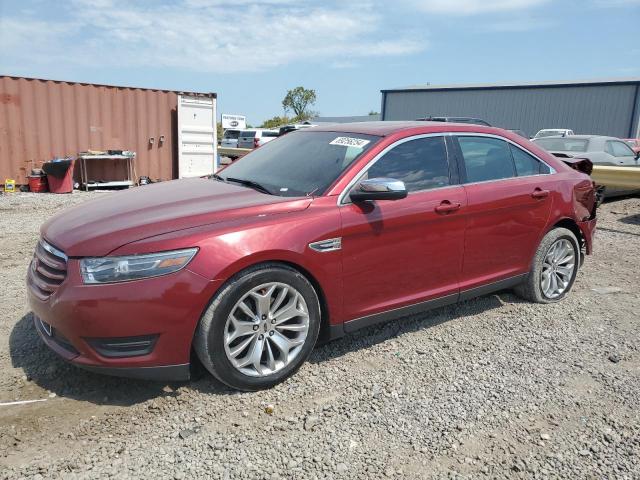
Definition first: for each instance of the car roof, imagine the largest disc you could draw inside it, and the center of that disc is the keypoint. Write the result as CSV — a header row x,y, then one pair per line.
x,y
385,128
582,137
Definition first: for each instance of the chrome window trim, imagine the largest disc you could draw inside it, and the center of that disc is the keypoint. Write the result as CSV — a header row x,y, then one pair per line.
x,y
366,168
505,139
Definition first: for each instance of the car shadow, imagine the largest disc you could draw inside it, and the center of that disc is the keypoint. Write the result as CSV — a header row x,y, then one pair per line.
x,y
47,370
50,372
375,334
631,219
613,230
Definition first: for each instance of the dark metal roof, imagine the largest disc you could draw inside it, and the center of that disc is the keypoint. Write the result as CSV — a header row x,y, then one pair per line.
x,y
546,84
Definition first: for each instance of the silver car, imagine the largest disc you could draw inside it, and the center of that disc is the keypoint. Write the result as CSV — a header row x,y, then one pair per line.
x,y
599,149
230,138
553,132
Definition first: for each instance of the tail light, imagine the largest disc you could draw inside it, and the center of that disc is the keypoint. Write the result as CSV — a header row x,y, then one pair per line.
x,y
256,142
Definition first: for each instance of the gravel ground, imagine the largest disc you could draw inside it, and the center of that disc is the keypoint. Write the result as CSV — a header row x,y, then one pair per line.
x,y
493,387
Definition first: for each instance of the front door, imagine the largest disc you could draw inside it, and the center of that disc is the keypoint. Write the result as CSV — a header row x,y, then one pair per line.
x,y
401,252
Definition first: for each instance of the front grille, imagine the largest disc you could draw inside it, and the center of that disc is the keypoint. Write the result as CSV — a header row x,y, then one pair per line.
x,y
47,271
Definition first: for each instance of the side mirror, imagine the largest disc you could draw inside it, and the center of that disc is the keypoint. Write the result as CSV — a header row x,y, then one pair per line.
x,y
378,189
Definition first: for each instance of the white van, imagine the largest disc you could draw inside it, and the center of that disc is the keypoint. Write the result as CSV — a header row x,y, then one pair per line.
x,y
256,137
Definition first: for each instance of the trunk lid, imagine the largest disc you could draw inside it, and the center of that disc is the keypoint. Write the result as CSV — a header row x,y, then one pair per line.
x,y
245,140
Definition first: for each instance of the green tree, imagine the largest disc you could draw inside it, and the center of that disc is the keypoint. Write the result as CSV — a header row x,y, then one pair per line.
x,y
220,131
373,113
298,100
276,122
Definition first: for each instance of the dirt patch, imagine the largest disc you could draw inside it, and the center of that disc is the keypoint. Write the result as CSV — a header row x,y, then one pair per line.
x,y
493,387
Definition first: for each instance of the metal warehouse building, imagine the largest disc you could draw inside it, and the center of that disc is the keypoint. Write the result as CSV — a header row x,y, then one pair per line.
x,y
606,107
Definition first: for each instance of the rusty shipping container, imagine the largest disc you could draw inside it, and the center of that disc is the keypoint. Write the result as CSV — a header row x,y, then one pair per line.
x,y
43,119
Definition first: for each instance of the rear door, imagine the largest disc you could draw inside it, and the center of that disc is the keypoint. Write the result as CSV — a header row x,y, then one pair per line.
x,y
197,142
245,139
509,194
402,252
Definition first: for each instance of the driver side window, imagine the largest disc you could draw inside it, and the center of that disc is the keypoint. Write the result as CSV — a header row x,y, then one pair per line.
x,y
421,164
619,149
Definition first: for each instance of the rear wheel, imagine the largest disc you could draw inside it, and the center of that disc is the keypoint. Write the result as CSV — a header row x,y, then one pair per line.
x,y
554,268
260,328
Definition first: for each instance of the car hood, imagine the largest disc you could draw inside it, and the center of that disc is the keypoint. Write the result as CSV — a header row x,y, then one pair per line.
x,y
102,225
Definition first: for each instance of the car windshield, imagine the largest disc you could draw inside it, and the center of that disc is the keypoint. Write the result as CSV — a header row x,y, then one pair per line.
x,y
549,133
247,134
231,133
563,144
300,163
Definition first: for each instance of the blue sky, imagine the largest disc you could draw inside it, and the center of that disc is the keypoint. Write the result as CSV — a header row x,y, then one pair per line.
x,y
250,52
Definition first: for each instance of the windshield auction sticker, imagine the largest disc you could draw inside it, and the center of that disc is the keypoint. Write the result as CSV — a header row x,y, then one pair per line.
x,y
349,142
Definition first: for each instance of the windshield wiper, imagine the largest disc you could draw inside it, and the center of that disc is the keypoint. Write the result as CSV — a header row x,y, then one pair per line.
x,y
215,176
250,184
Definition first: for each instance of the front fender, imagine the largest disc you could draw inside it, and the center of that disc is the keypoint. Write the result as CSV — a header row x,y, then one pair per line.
x,y
226,249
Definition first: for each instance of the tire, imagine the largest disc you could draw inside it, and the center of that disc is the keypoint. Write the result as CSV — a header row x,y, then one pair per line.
x,y
219,338
533,288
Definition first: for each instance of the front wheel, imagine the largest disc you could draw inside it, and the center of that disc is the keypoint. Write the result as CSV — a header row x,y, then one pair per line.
x,y
260,328
554,268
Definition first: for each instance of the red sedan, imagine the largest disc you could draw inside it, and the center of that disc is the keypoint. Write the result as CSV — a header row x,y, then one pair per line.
x,y
314,235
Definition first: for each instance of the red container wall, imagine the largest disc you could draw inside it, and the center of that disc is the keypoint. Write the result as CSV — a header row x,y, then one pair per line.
x,y
42,119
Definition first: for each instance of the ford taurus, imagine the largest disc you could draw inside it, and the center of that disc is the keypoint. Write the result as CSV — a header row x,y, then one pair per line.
x,y
314,235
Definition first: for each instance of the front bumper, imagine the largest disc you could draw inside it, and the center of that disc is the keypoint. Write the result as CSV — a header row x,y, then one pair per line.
x,y
166,309
164,373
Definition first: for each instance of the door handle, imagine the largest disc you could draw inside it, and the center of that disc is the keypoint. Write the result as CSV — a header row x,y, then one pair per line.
x,y
447,207
539,193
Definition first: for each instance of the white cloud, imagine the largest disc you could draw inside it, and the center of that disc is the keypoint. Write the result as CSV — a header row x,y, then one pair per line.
x,y
205,35
472,7
516,25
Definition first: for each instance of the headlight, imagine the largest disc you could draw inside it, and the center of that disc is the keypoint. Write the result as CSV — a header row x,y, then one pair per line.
x,y
134,267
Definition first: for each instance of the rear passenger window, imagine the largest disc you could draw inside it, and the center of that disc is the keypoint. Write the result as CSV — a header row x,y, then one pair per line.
x,y
421,164
486,159
527,164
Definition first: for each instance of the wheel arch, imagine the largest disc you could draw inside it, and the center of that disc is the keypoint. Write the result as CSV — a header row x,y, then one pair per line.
x,y
573,227
326,331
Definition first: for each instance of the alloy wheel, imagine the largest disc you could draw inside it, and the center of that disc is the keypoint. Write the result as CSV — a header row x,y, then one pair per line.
x,y
558,268
266,329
